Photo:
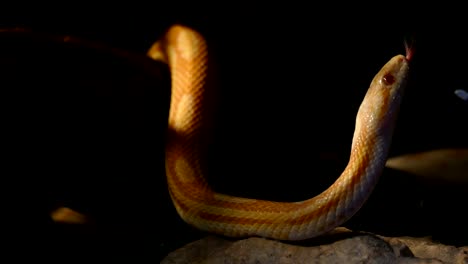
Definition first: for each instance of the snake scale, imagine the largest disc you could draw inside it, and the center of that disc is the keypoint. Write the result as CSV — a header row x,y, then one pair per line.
x,y
185,51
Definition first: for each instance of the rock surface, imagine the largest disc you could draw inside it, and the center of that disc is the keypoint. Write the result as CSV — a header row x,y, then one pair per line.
x,y
356,248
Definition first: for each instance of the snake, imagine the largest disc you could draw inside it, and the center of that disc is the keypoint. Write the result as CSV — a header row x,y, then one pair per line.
x,y
185,51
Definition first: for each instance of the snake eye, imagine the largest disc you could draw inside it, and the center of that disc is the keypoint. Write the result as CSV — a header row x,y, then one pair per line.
x,y
388,79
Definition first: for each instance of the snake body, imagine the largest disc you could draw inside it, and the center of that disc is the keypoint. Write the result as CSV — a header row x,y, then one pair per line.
x,y
185,51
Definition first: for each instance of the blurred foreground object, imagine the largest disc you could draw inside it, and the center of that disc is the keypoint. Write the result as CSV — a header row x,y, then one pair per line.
x,y
65,215
462,94
448,165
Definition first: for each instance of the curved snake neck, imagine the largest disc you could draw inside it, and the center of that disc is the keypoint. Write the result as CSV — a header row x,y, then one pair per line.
x,y
185,51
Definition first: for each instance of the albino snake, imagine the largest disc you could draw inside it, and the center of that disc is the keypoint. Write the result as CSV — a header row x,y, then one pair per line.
x,y
185,51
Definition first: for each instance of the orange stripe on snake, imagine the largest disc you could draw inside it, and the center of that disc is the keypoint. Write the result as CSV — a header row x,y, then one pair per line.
x,y
186,53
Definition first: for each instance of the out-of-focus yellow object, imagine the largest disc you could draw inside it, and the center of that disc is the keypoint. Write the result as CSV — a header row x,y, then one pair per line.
x,y
65,215
447,165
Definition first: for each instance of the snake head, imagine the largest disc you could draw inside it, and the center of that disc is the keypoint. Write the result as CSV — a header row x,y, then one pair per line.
x,y
380,106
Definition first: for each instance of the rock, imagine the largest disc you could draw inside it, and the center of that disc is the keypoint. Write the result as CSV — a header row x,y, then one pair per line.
x,y
426,249
355,248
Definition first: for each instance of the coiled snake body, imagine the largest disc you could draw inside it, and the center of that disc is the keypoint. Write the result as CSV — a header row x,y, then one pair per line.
x,y
185,51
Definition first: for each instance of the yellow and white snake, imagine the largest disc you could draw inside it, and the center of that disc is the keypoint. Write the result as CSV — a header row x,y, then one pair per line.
x,y
185,51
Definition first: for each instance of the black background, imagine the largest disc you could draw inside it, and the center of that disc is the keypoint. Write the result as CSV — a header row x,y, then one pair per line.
x,y
291,78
